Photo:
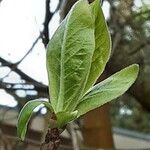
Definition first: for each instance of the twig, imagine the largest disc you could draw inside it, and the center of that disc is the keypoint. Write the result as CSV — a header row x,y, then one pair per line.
x,y
48,17
33,45
5,75
45,38
22,74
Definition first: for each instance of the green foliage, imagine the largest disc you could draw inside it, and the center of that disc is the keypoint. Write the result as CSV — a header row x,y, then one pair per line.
x,y
25,115
109,89
102,45
76,56
68,63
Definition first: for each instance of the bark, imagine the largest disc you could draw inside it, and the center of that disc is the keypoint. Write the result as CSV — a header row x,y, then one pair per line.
x,y
97,128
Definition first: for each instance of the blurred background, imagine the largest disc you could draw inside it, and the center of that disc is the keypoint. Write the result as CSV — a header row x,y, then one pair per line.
x,y
26,26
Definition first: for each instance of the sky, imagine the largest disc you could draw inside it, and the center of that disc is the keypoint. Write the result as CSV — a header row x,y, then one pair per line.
x,y
21,23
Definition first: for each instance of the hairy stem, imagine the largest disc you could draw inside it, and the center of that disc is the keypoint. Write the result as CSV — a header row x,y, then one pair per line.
x,y
52,140
52,137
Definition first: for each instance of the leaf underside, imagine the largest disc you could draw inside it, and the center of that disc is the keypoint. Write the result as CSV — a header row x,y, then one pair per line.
x,y
109,89
25,116
68,61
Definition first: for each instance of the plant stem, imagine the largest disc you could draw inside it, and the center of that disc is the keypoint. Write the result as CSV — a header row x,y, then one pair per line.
x,y
52,140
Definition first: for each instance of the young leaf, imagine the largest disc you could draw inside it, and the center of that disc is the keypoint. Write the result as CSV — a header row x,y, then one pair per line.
x,y
69,56
102,45
65,117
25,115
54,65
109,89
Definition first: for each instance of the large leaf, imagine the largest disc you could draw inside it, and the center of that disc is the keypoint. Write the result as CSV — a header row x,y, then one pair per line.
x,y
108,89
102,45
25,116
69,56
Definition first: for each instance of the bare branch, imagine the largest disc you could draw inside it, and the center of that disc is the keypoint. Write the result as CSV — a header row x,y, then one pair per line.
x,y
22,74
48,17
33,45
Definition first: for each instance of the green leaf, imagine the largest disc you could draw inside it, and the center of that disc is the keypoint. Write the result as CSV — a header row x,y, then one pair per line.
x,y
109,89
69,56
102,45
54,65
65,117
25,115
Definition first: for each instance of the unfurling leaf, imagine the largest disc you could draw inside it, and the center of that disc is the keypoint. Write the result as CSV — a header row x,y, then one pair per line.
x,y
109,89
25,116
102,45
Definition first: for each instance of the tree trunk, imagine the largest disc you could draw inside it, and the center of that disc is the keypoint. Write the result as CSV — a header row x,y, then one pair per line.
x,y
97,128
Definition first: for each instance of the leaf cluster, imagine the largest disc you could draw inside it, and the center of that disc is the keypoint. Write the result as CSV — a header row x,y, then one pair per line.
x,y
76,56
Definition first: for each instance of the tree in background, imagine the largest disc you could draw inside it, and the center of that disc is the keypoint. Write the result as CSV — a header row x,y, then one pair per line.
x,y
130,31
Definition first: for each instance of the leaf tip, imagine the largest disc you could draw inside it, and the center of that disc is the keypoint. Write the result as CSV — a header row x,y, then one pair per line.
x,y
135,69
136,66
